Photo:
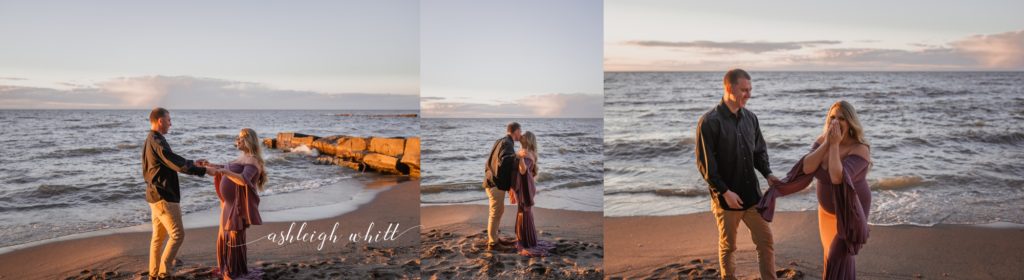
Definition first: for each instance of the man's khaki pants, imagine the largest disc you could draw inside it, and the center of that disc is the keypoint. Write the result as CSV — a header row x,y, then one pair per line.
x,y
167,227
728,221
496,198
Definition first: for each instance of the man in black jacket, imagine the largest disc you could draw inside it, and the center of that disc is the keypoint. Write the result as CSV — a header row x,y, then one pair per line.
x,y
160,167
729,149
500,171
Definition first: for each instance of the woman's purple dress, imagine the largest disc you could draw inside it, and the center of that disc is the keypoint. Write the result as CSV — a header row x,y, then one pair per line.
x,y
238,210
527,242
849,202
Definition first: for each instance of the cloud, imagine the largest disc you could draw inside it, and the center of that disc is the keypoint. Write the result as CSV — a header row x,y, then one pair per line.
x,y
738,46
866,58
1002,50
553,105
999,51
186,92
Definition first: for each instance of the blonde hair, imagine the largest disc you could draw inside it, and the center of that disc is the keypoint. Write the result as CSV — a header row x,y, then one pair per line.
x,y
529,142
252,148
846,110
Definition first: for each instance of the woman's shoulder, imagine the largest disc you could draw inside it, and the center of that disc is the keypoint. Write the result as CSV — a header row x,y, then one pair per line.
x,y
861,150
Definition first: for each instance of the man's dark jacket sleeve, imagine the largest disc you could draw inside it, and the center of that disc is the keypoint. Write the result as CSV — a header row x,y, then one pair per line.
x,y
706,140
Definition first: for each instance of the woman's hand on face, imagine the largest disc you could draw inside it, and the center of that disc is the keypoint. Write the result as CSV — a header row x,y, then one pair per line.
x,y
835,132
826,132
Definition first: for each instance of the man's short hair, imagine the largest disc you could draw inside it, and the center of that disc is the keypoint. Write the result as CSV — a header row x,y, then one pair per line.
x,y
733,76
512,127
157,113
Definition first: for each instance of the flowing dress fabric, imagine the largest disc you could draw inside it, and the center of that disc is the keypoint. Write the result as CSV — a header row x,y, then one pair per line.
x,y
238,210
527,242
849,203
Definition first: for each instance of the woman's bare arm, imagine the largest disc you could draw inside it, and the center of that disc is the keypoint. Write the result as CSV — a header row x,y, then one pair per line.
x,y
812,160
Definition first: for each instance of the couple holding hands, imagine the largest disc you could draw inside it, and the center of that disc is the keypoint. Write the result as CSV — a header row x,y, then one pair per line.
x,y
730,147
237,183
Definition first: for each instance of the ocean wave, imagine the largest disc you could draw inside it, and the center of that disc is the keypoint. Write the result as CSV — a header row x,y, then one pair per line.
x,y
575,184
4,207
453,187
213,127
452,157
453,201
101,125
674,192
124,146
564,134
48,196
917,141
429,151
48,191
651,148
786,145
544,176
1006,137
817,90
898,182
293,186
991,83
304,150
627,170
934,92
76,152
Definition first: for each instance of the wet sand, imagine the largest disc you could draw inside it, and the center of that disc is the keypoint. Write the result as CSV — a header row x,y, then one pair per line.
x,y
664,247
454,245
125,255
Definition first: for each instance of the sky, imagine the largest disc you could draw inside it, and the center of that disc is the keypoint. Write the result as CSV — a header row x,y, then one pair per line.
x,y
209,54
643,35
511,59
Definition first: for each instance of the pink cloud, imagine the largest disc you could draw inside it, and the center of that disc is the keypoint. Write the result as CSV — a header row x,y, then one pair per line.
x,y
1003,50
552,105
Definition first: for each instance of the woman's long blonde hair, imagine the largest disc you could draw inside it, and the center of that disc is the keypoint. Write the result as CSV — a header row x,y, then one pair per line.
x,y
253,149
856,130
529,142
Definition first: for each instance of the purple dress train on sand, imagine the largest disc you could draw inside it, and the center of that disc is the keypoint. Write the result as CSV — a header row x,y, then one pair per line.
x,y
527,242
238,210
849,202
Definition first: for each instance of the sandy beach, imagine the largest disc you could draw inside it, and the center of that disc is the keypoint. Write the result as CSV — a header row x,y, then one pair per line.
x,y
125,255
454,238
664,247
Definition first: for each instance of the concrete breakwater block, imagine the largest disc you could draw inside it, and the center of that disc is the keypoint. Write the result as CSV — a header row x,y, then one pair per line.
x,y
351,148
382,163
411,156
270,143
289,140
394,155
387,146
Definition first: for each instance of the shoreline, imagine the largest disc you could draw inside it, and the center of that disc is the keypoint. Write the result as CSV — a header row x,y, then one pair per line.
x,y
646,246
999,224
125,254
209,217
484,203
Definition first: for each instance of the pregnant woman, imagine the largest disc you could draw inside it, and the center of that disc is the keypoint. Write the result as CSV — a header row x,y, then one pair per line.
x,y
237,184
839,160
523,192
